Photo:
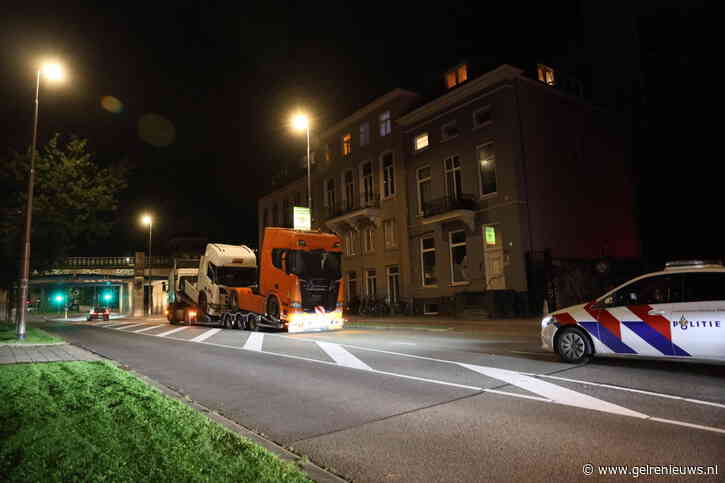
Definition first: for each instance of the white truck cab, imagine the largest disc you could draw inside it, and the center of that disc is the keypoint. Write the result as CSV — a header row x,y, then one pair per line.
x,y
221,267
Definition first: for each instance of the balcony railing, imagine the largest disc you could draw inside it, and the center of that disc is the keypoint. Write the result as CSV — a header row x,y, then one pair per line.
x,y
449,203
349,206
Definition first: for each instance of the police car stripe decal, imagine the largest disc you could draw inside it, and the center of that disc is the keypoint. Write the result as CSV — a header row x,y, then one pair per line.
x,y
606,320
657,322
651,336
607,338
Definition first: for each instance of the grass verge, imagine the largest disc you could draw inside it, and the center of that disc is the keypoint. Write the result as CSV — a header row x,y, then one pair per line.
x,y
91,421
32,335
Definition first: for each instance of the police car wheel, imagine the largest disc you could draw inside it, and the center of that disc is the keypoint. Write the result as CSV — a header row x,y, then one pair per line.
x,y
573,346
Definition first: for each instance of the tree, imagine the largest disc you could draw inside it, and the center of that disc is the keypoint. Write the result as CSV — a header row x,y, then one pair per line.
x,y
74,199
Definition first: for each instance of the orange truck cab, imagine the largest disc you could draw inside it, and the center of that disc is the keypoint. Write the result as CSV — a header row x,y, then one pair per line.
x,y
300,281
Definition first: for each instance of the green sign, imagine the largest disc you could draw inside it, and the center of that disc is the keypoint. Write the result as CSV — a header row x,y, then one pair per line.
x,y
490,235
302,218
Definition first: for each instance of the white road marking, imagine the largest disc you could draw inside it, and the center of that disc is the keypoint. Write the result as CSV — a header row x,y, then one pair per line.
x,y
254,342
172,331
342,356
689,425
147,328
128,326
404,343
639,391
205,335
551,391
558,391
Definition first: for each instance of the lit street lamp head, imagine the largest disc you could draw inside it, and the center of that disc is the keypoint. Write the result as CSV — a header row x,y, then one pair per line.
x,y
300,122
52,71
146,219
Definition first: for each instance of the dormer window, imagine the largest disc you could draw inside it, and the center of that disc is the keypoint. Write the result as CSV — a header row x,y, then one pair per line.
x,y
546,75
456,76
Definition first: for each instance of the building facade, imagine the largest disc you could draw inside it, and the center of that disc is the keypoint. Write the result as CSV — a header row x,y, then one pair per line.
x,y
442,203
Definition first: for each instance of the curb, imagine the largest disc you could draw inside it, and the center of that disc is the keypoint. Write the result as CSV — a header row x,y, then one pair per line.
x,y
20,344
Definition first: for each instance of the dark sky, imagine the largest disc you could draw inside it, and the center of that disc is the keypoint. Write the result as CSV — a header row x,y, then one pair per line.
x,y
226,78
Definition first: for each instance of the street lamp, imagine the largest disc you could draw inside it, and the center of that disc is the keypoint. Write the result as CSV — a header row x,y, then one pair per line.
x,y
147,220
300,122
53,72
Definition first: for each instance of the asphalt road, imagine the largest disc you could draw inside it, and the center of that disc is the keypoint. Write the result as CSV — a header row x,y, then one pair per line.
x,y
466,403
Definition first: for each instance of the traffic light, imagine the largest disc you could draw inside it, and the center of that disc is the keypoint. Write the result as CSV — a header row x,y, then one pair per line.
x,y
59,298
107,296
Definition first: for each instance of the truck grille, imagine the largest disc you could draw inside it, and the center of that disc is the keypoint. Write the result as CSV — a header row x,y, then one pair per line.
x,y
319,292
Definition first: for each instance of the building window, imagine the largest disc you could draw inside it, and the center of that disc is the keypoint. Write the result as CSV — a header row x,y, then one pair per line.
x,y
371,285
351,293
348,181
385,125
481,116
428,261
449,130
330,196
457,76
546,75
275,215
487,169
453,177
346,144
389,233
424,188
420,141
367,194
457,242
350,243
365,134
388,175
393,284
369,239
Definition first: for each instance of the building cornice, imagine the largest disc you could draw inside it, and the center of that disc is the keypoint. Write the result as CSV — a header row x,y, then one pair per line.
x,y
502,73
367,110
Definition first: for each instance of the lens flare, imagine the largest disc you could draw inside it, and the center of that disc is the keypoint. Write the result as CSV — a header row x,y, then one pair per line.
x,y
111,104
156,130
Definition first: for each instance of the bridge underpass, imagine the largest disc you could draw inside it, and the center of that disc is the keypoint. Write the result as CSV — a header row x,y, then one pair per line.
x,y
133,284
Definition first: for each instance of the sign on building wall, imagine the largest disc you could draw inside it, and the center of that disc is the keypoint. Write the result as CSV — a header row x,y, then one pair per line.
x,y
490,236
302,218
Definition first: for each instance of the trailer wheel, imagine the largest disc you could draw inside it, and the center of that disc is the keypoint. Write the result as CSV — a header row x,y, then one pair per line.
x,y
239,321
227,321
252,322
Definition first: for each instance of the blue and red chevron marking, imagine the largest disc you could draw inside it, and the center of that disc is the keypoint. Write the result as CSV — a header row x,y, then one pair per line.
x,y
606,328
655,339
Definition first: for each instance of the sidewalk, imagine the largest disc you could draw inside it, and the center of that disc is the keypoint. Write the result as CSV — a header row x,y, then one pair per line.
x,y
17,353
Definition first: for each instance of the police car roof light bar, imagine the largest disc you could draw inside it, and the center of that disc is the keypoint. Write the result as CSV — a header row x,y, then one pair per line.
x,y
682,264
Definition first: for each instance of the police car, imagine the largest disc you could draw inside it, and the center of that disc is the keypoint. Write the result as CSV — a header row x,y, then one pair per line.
x,y
678,313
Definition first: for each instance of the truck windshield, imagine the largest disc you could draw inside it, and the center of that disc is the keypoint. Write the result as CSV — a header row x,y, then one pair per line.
x,y
314,264
236,276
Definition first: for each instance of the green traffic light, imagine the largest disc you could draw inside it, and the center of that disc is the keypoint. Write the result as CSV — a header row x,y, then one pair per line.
x,y
59,298
107,296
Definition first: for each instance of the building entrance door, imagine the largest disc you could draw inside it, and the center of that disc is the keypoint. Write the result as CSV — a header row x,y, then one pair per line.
x,y
493,258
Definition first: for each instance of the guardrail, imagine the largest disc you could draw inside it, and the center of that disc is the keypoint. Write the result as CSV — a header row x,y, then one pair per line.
x,y
112,262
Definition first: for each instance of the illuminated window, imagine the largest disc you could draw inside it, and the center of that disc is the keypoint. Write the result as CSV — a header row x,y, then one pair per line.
x,y
364,134
546,75
457,76
347,144
487,169
385,126
420,141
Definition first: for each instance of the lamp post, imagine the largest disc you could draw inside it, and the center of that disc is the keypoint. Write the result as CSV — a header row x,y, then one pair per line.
x,y
147,220
300,122
53,72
